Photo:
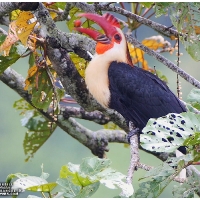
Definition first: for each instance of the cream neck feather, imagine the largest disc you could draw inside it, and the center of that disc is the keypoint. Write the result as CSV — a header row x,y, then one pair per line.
x,y
96,74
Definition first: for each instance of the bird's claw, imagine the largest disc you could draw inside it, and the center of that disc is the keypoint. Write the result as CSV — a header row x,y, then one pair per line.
x,y
131,133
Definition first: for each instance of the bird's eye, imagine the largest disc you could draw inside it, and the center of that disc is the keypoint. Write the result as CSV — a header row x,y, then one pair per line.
x,y
118,38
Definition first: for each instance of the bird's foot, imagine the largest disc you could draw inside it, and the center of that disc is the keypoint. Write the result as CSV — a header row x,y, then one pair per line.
x,y
131,133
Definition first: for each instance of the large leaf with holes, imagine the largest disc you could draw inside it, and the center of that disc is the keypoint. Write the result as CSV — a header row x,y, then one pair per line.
x,y
38,129
33,183
38,133
175,127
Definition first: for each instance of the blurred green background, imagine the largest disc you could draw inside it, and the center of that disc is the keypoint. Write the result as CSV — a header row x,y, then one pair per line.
x,y
60,148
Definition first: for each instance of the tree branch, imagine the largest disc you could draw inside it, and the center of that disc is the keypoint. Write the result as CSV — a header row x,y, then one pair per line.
x,y
84,6
95,116
7,7
109,7
165,61
96,141
65,13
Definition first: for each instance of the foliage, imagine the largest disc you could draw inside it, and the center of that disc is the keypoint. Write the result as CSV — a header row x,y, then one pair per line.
x,y
75,181
186,19
16,52
169,132
160,177
187,189
38,127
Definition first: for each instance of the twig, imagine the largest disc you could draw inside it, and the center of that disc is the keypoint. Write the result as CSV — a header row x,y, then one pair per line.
x,y
6,7
85,7
148,168
3,31
156,26
65,14
134,149
95,116
165,61
55,11
145,167
134,157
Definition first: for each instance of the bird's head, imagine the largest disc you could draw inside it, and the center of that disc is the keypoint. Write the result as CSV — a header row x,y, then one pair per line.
x,y
113,42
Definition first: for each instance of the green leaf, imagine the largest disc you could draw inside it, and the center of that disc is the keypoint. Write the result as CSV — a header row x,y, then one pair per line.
x,y
42,95
188,188
193,140
31,60
70,190
79,63
16,175
73,12
72,172
33,183
85,178
28,181
74,191
92,166
37,135
161,76
160,176
38,129
42,188
61,5
179,162
176,127
146,4
15,53
194,98
41,85
185,17
73,16
162,8
88,190
44,175
163,170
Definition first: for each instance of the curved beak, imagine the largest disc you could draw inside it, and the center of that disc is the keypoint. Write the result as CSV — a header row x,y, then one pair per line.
x,y
108,28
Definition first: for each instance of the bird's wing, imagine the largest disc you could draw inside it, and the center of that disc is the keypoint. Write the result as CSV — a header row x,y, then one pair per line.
x,y
140,95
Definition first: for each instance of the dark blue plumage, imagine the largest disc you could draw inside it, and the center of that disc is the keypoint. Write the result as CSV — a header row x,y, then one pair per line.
x,y
140,95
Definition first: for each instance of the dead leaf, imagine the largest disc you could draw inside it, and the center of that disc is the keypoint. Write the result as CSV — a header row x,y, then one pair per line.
x,y
154,42
8,42
31,72
19,29
23,26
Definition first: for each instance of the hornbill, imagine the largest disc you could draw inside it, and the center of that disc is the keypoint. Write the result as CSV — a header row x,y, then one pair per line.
x,y
116,83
